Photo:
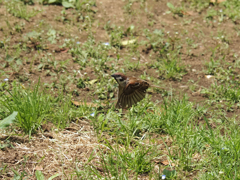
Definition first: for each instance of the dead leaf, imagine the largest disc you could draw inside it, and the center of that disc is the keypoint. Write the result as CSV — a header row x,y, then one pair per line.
x,y
166,162
173,164
217,1
91,82
38,168
63,50
76,103
197,156
128,42
189,13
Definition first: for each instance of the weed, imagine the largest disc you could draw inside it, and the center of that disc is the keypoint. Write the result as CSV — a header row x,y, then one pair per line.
x,y
156,39
222,92
172,133
52,36
175,10
18,9
96,52
32,107
170,68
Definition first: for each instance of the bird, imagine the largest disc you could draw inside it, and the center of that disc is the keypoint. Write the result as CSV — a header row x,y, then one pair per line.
x,y
131,90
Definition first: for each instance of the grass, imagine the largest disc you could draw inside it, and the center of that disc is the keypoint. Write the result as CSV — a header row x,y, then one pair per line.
x,y
56,90
18,9
32,107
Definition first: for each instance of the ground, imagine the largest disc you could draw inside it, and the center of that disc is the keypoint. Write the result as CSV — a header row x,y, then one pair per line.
x,y
189,49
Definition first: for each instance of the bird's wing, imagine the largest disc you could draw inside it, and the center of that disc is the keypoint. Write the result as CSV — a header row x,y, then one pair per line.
x,y
134,92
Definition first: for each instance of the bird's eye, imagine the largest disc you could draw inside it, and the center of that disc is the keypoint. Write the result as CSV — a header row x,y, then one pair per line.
x,y
120,79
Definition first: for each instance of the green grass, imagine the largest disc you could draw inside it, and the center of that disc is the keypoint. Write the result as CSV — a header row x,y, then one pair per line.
x,y
36,107
217,153
32,107
52,56
18,9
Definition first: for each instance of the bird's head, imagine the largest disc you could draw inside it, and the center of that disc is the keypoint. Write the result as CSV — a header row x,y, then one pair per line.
x,y
120,78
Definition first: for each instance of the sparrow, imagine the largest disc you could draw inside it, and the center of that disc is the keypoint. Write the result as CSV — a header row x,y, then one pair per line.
x,y
131,90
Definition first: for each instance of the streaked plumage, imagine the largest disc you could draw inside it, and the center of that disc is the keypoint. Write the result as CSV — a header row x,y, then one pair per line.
x,y
131,90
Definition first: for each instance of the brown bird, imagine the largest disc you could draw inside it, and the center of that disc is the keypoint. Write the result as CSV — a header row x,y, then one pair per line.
x,y
131,90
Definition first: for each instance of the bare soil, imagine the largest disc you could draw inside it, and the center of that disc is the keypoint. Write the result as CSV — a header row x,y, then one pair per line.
x,y
53,151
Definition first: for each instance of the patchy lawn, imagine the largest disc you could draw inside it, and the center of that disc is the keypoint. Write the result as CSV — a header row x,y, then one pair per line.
x,y
55,72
